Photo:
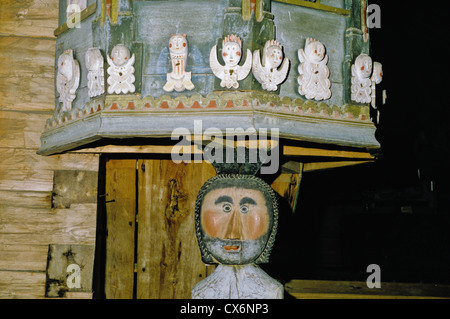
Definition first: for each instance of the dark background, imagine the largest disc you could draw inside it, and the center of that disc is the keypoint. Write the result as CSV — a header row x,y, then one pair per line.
x,y
394,212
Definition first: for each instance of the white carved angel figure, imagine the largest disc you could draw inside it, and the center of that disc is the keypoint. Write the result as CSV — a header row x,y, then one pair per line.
x,y
268,73
67,79
231,72
121,70
178,79
361,82
313,80
96,74
377,77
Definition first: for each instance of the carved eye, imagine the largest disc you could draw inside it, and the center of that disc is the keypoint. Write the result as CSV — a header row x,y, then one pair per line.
x,y
226,208
244,209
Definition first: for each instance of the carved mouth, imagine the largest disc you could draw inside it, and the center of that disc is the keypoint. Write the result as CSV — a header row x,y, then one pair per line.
x,y
232,248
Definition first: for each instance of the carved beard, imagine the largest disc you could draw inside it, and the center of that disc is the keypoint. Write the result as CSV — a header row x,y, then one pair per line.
x,y
244,252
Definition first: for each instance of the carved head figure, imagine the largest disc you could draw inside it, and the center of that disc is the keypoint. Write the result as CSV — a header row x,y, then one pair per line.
x,y
178,44
314,50
272,54
377,72
65,64
93,59
363,66
236,218
231,50
120,55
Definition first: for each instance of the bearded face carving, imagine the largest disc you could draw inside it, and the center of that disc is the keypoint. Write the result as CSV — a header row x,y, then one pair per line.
x,y
67,79
236,220
121,70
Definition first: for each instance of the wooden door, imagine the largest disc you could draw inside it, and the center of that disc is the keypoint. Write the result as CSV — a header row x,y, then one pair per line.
x,y
152,249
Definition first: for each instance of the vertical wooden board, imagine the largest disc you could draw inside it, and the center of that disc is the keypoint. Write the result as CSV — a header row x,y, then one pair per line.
x,y
120,222
169,261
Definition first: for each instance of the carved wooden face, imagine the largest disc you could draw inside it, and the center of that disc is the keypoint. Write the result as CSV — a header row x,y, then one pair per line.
x,y
178,44
363,64
274,56
315,51
377,72
120,55
236,219
231,53
93,59
65,64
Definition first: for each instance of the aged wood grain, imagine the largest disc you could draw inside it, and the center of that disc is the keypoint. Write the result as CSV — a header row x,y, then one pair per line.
x,y
28,257
29,17
169,261
23,226
22,285
120,222
74,187
23,169
21,129
27,64
26,199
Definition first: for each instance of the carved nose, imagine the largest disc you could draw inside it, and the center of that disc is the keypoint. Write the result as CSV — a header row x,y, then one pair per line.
x,y
234,227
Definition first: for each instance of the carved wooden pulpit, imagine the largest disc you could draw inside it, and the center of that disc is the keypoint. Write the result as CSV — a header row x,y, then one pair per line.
x,y
259,92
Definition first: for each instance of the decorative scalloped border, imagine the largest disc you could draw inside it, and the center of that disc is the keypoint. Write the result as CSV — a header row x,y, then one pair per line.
x,y
235,100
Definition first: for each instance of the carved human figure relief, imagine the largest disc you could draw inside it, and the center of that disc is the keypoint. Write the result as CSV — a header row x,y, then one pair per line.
x,y
361,82
178,80
230,73
268,73
236,218
96,74
121,70
314,80
67,79
377,77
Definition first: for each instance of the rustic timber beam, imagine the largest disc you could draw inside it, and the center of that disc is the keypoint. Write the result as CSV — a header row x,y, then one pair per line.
x,y
305,151
316,5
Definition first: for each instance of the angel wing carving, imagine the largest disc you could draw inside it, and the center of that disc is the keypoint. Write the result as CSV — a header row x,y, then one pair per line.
x,y
269,77
229,74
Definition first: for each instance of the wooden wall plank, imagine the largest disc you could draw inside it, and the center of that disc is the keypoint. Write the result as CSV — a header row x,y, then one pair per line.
x,y
28,257
169,261
29,17
23,169
26,199
22,285
22,130
23,226
120,222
